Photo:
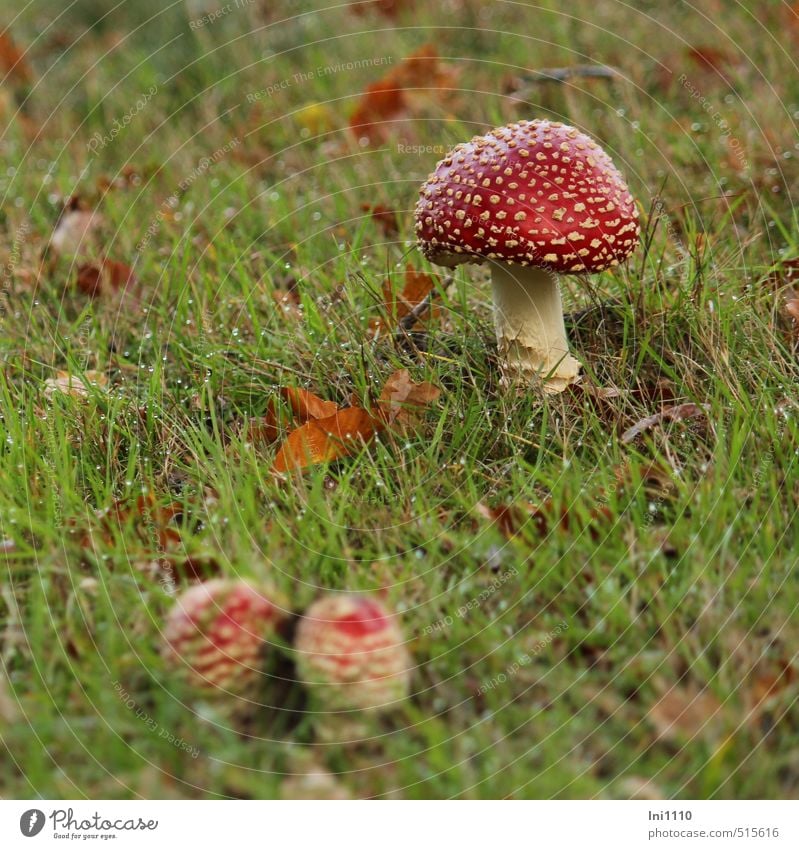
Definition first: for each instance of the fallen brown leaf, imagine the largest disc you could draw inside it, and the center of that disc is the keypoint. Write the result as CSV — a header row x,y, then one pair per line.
x,y
386,218
154,521
710,58
402,400
677,413
542,518
769,685
380,102
74,385
13,61
389,98
388,8
327,439
289,303
683,713
96,279
305,405
266,429
416,287
507,517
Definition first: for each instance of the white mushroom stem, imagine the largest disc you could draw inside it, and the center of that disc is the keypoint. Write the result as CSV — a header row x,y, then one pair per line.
x,y
528,316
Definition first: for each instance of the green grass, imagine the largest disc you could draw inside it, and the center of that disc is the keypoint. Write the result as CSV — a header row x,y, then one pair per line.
x,y
689,582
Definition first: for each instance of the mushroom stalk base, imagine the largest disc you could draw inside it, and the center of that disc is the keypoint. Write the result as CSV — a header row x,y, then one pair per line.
x,y
528,316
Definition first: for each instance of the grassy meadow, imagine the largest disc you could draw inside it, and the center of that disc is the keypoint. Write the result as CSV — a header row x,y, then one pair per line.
x,y
592,611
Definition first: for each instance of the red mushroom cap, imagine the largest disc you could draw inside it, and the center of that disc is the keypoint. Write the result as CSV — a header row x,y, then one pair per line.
x,y
531,193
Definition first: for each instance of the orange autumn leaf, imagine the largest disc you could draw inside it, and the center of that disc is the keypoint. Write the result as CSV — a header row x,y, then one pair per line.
x,y
327,439
385,218
153,522
12,60
710,58
388,8
380,102
386,100
507,517
543,518
98,278
305,405
402,399
264,430
417,287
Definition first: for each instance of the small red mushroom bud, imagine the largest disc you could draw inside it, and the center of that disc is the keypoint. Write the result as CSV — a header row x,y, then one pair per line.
x,y
216,632
351,654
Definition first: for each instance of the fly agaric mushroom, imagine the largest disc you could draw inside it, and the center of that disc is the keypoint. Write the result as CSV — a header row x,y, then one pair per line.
x,y
536,199
216,631
351,654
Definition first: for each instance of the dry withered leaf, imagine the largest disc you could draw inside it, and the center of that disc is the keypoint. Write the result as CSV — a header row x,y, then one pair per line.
x,y
416,287
329,433
388,99
386,218
105,277
677,413
305,405
152,521
402,400
13,61
507,517
152,518
288,302
266,429
511,518
327,439
388,8
682,713
380,102
77,386
710,58
769,685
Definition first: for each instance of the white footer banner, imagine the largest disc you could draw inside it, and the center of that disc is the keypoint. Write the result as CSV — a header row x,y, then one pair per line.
x,y
386,825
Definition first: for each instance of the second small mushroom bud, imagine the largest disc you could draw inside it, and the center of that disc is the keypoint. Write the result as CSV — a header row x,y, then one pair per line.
x,y
535,199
